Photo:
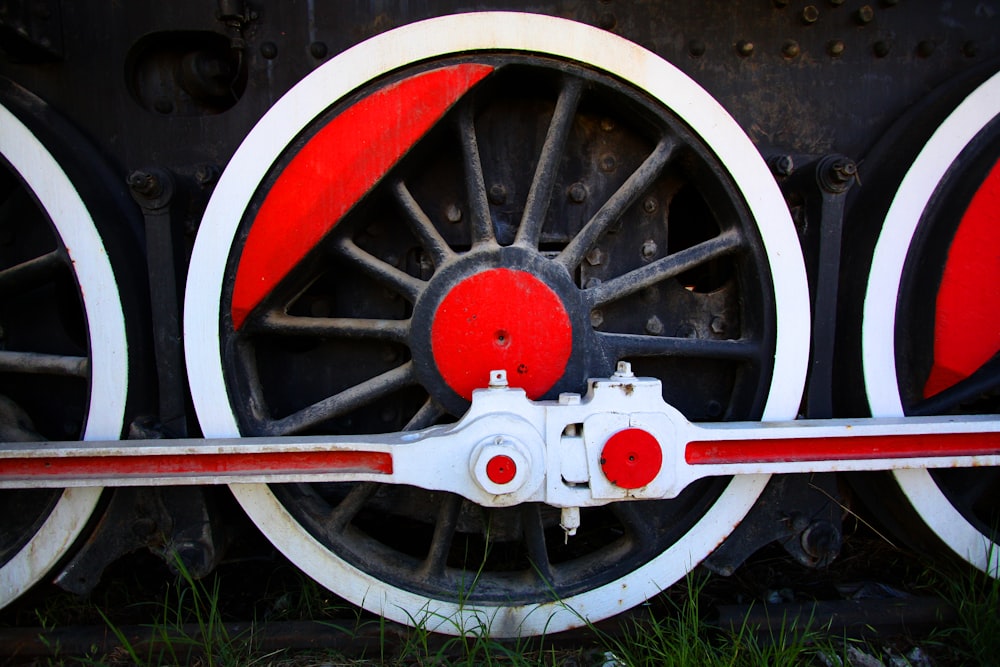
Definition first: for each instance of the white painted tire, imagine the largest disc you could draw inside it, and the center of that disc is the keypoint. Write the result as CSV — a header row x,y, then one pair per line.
x,y
58,196
445,36
912,197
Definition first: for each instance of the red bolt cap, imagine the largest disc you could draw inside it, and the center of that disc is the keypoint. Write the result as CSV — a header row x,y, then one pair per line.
x,y
631,458
501,469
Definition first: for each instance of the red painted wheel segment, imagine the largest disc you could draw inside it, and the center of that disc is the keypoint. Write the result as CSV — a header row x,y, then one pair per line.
x,y
967,314
631,458
501,319
335,169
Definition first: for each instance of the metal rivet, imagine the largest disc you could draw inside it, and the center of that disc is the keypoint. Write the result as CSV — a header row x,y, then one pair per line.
x,y
607,124
835,48
649,249
718,325
453,213
498,194
810,14
782,165
318,50
608,163
881,48
596,318
649,205
790,49
269,50
595,257
696,48
744,48
578,192
864,15
654,326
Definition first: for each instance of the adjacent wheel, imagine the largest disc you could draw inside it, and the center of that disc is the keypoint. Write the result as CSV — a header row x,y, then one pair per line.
x,y
931,327
63,347
478,192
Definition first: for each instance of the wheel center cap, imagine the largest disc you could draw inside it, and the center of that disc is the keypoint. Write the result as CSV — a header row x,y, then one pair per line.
x,y
501,319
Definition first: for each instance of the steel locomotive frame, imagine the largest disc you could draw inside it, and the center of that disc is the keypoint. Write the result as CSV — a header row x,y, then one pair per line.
x,y
499,318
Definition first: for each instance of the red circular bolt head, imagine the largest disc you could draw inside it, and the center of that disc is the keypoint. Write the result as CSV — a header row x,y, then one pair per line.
x,y
501,469
631,458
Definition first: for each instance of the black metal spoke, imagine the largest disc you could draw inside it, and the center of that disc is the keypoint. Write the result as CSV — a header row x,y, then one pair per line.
x,y
534,541
667,267
350,399
330,327
540,194
426,416
385,273
35,363
972,489
421,225
638,528
481,223
637,345
617,204
445,526
30,273
984,380
348,508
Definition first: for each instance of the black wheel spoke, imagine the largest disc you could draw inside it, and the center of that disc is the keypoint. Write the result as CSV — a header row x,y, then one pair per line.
x,y
35,363
984,380
445,525
540,194
667,267
30,273
636,345
283,324
481,223
975,485
348,508
350,399
638,529
426,416
430,237
534,541
619,202
382,271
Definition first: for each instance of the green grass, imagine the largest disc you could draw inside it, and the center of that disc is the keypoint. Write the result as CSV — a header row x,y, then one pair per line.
x,y
191,624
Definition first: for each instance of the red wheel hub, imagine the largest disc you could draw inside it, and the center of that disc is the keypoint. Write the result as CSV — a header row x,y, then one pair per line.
x,y
501,319
631,458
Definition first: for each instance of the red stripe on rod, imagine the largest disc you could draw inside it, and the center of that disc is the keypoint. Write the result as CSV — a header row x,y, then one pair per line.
x,y
833,449
158,465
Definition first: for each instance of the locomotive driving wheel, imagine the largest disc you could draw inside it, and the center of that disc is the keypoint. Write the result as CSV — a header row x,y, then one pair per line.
x,y
442,201
931,333
63,345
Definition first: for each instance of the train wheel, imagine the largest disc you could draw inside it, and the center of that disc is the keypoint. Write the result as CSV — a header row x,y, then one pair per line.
x,y
63,351
930,333
485,164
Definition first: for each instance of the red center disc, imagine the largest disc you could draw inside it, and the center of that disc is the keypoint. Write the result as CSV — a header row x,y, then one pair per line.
x,y
631,458
501,469
501,319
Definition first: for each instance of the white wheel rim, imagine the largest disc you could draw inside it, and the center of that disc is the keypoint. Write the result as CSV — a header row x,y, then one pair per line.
x,y
879,318
439,37
108,348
